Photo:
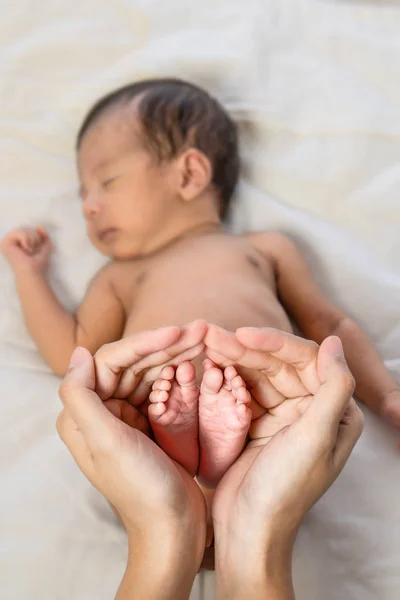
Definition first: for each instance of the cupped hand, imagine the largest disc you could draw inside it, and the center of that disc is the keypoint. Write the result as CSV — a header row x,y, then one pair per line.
x,y
272,485
279,368
147,488
127,369
27,248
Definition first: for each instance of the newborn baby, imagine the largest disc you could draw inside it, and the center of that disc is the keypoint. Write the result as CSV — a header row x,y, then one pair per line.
x,y
158,163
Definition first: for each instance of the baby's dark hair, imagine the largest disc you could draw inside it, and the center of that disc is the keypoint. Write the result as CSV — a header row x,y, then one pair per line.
x,y
175,115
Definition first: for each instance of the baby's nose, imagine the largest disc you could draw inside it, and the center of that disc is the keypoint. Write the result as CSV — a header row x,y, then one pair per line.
x,y
91,207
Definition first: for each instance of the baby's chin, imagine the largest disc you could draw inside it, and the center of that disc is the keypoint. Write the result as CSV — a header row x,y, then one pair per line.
x,y
116,251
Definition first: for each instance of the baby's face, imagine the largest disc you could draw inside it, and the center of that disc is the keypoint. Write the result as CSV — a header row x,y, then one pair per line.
x,y
126,196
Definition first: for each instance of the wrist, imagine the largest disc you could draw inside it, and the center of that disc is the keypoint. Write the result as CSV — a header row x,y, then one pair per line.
x,y
254,567
23,272
162,564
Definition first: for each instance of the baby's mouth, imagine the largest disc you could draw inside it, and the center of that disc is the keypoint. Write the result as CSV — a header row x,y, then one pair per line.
x,y
105,234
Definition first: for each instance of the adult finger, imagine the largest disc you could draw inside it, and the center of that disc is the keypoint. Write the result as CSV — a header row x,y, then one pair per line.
x,y
283,375
225,346
349,431
125,412
286,347
187,347
112,359
77,395
335,392
75,441
137,394
261,388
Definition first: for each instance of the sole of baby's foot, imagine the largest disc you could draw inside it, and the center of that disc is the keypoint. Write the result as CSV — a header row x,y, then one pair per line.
x,y
224,421
173,414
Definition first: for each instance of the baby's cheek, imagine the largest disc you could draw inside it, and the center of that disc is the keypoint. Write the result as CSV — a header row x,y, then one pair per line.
x,y
98,245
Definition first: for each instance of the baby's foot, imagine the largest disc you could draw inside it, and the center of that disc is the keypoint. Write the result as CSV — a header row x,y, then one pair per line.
x,y
173,414
224,420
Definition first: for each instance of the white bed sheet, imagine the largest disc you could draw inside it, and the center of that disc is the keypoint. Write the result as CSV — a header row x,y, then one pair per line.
x,y
315,87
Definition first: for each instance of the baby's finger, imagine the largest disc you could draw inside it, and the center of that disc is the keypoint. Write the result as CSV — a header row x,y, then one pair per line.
x,y
23,240
42,232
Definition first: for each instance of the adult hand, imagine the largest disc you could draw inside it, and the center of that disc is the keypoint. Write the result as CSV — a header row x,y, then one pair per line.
x,y
262,499
280,371
123,371
160,505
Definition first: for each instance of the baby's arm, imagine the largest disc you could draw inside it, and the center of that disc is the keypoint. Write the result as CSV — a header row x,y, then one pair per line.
x,y
318,318
100,318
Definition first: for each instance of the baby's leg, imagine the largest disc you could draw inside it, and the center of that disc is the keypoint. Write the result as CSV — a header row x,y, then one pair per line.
x,y
173,414
224,421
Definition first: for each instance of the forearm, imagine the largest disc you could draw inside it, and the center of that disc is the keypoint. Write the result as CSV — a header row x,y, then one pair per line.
x,y
263,570
163,570
51,326
373,380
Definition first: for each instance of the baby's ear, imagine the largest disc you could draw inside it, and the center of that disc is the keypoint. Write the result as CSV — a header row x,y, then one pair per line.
x,y
195,174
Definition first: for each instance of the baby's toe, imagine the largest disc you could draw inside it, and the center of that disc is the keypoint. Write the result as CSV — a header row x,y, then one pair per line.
x,y
242,395
158,396
212,381
208,364
157,410
185,373
243,413
237,382
162,384
167,373
230,374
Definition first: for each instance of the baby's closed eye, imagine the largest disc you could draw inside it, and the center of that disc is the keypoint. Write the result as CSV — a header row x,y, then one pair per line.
x,y
106,184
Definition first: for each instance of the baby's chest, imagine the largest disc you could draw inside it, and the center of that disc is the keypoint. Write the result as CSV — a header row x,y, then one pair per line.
x,y
178,291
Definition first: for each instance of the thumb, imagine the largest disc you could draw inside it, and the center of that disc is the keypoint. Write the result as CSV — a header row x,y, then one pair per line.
x,y
337,385
78,395
81,369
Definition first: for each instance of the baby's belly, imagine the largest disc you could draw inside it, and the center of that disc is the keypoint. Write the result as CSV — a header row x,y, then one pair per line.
x,y
230,309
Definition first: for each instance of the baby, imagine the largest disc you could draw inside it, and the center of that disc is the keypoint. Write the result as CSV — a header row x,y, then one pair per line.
x,y
158,164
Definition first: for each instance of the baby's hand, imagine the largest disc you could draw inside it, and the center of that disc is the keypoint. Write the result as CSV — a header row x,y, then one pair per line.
x,y
27,249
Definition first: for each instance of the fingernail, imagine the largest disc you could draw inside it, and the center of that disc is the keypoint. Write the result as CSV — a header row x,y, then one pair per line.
x,y
78,358
334,346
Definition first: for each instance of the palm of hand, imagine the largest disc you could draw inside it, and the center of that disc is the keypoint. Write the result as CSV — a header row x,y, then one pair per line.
x,y
164,477
282,378
280,372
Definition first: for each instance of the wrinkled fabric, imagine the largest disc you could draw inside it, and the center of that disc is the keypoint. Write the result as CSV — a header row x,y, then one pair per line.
x,y
315,88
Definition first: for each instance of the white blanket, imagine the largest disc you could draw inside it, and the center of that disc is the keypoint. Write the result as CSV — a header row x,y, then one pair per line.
x,y
315,87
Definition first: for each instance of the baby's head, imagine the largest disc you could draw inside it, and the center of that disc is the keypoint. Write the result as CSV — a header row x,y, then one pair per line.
x,y
155,158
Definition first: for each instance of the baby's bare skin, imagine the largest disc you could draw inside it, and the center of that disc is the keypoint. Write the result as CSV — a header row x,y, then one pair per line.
x,y
171,263
221,278
204,428
227,281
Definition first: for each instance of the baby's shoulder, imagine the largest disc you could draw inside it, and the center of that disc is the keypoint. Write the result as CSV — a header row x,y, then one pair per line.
x,y
112,273
267,242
